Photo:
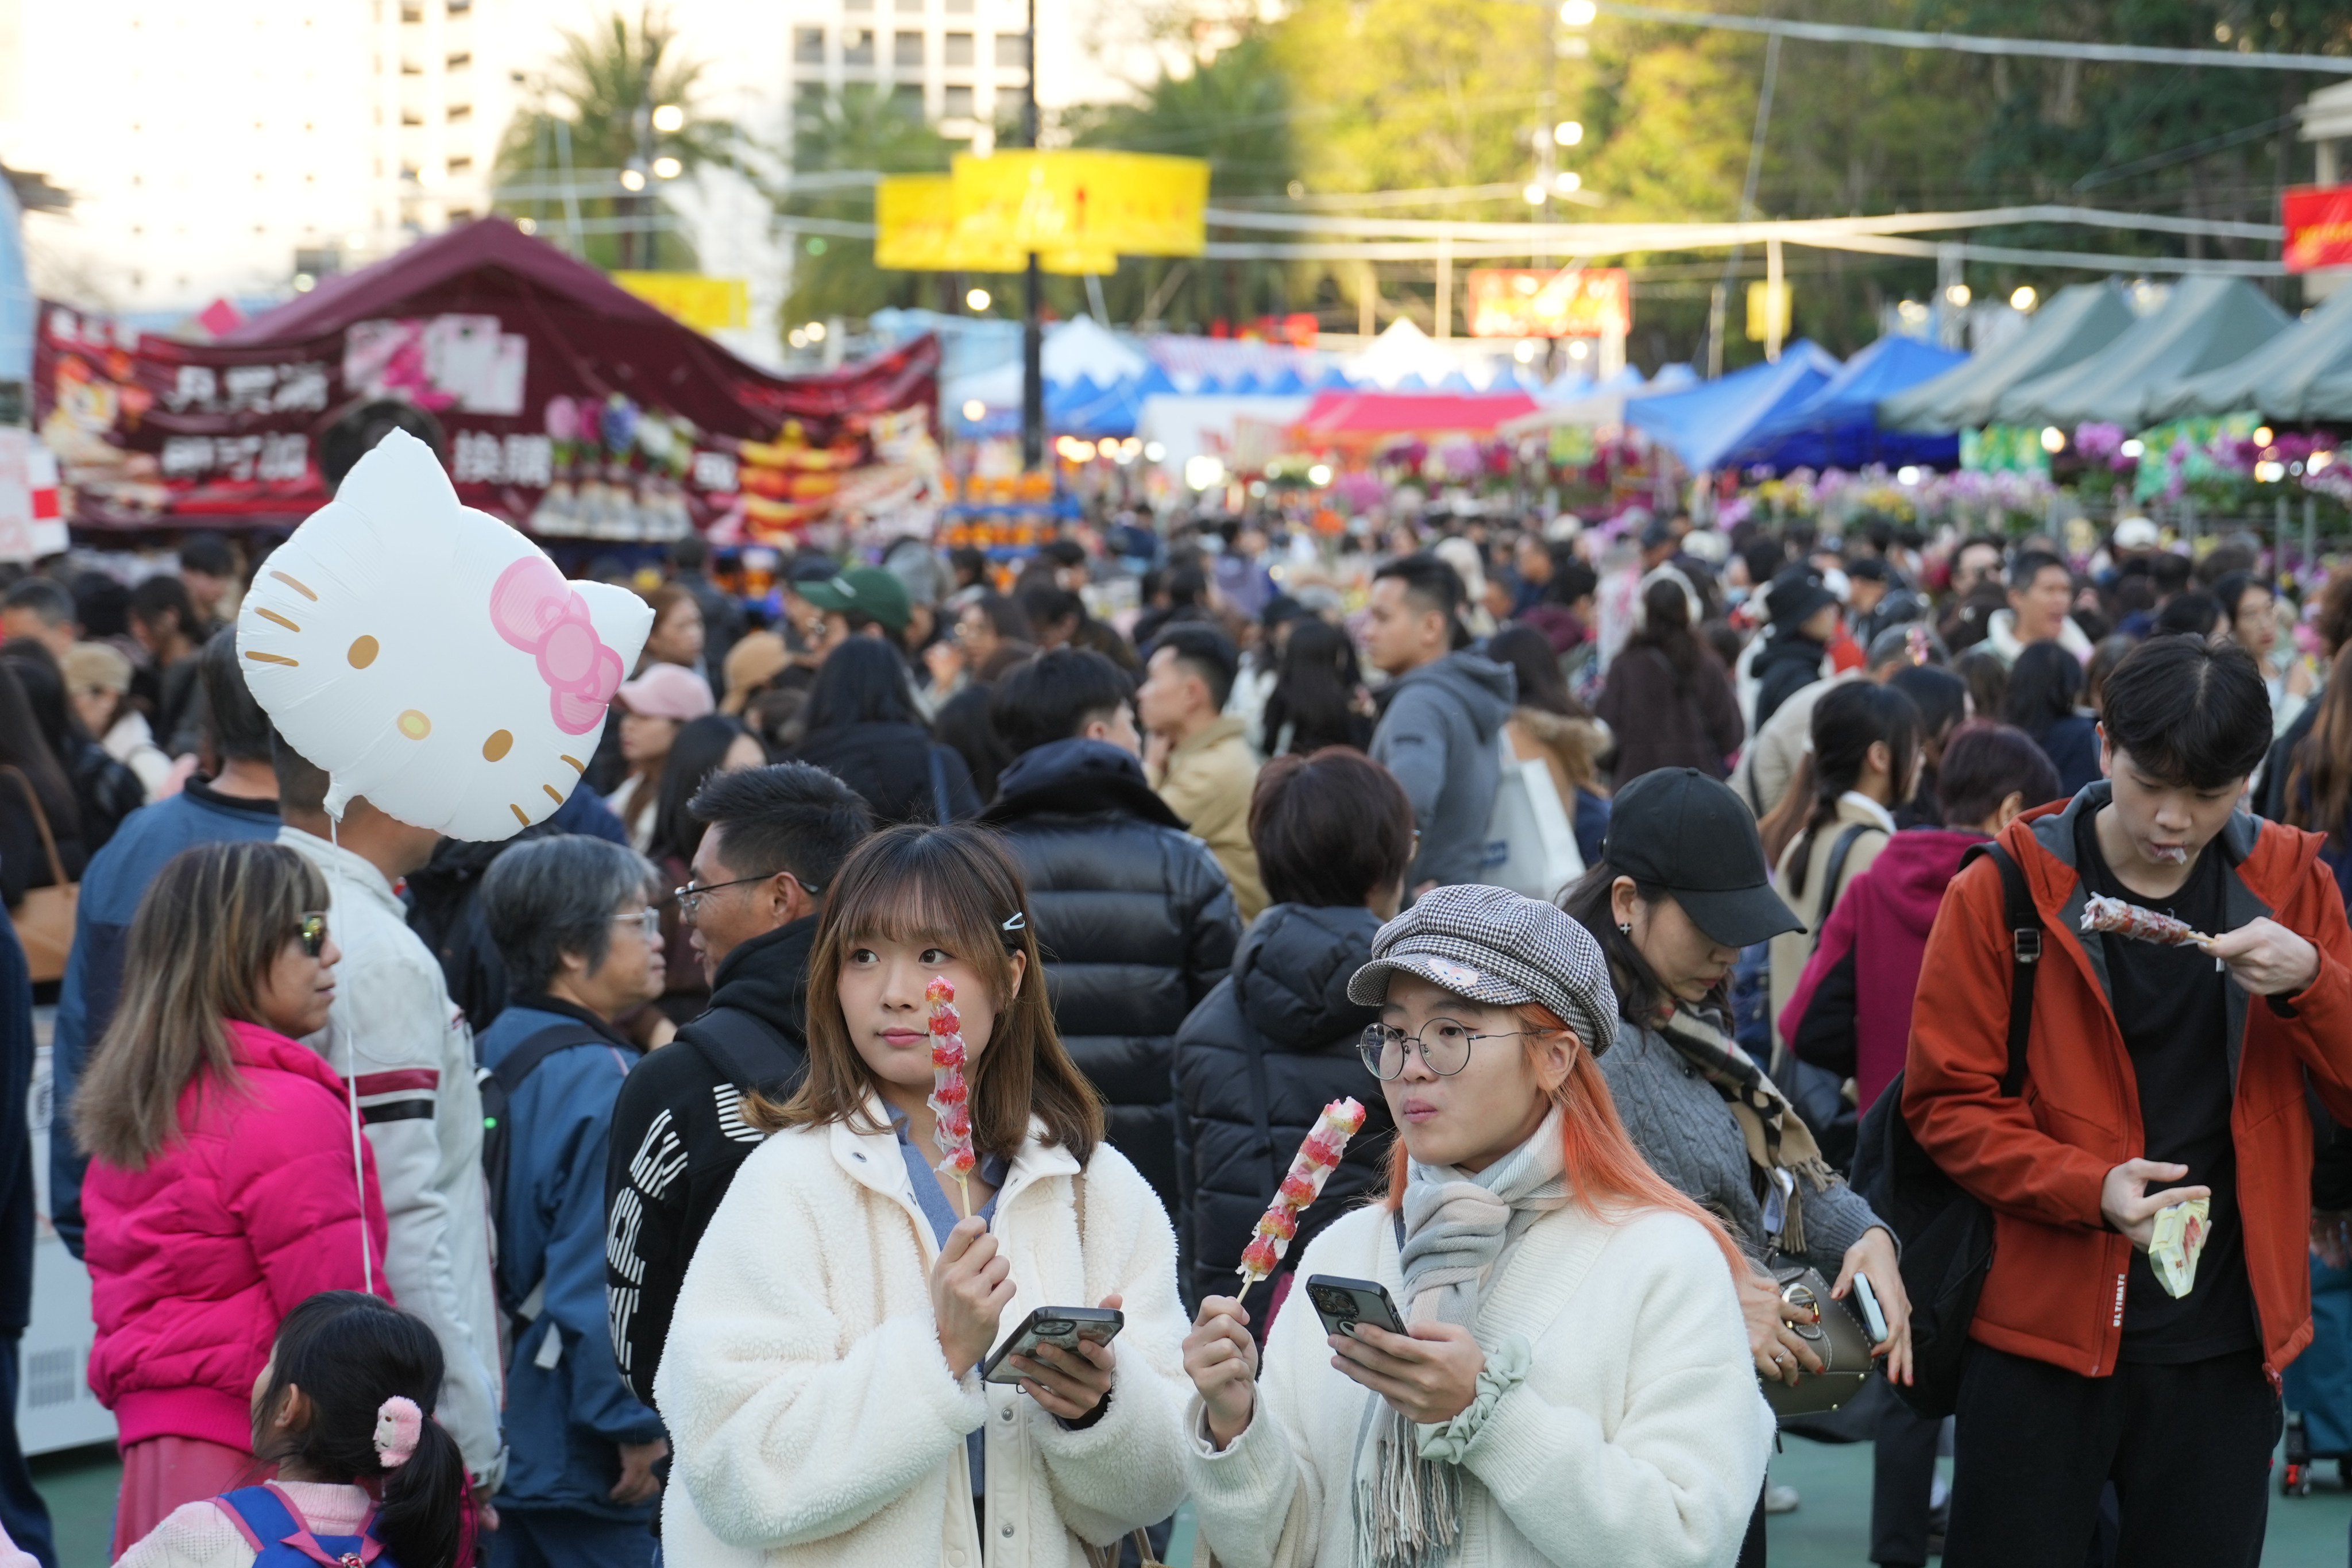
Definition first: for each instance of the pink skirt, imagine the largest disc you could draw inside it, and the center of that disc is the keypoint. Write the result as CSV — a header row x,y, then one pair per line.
x,y
160,1474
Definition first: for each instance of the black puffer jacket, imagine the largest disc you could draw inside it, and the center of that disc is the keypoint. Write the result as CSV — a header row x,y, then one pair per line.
x,y
1255,1063
1136,921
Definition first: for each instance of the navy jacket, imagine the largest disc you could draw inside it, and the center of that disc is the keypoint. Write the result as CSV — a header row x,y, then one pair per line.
x,y
117,878
567,1408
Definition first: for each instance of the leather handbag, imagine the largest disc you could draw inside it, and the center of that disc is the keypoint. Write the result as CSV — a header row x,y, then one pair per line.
x,y
45,920
1839,1337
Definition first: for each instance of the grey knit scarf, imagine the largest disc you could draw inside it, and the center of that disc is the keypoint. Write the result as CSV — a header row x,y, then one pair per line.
x,y
1457,1230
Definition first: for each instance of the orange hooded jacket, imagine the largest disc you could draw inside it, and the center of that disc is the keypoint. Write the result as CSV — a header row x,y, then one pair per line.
x,y
2055,1292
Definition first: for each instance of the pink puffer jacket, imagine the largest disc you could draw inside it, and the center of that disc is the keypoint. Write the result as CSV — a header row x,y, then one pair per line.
x,y
195,1259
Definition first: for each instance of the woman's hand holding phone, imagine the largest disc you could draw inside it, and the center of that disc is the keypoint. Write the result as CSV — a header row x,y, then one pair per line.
x,y
1221,1361
971,1284
1429,1375
1070,1384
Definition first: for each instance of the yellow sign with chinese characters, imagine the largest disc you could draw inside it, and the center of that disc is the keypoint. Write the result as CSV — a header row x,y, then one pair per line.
x,y
915,230
706,304
1131,204
1079,211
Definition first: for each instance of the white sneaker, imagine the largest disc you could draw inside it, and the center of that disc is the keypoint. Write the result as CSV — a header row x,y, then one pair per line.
x,y
1780,1499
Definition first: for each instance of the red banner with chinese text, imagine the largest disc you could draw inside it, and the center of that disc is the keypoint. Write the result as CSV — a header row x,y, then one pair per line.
x,y
2318,221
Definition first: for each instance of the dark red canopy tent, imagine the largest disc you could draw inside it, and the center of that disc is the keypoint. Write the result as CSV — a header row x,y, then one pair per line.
x,y
570,406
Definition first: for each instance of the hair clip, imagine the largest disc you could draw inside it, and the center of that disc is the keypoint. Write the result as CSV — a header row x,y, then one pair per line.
x,y
399,1424
1015,921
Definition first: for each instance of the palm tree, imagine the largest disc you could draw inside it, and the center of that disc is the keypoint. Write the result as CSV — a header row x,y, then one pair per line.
x,y
1235,110
864,129
600,125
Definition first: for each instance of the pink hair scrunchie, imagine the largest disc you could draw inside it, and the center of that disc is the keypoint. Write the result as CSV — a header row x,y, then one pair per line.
x,y
399,1424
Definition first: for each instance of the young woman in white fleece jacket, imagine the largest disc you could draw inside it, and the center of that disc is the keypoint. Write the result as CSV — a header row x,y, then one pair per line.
x,y
1575,1388
822,1378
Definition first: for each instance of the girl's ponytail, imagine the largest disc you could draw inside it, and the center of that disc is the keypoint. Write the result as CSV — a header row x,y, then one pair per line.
x,y
371,1373
427,1515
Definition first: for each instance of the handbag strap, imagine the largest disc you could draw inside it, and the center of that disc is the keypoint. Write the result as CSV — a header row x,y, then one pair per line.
x,y
41,820
1833,874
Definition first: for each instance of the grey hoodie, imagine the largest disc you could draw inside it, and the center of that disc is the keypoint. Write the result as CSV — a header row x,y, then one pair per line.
x,y
1437,736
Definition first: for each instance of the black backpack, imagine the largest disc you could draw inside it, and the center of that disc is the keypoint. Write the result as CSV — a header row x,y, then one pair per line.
x,y
499,1085
1947,1234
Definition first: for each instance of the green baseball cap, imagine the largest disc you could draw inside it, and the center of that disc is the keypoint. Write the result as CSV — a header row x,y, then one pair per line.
x,y
866,590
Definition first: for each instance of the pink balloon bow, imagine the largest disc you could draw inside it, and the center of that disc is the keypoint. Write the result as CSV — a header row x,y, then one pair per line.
x,y
399,1425
536,611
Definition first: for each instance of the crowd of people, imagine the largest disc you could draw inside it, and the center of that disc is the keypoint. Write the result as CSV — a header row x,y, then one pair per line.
x,y
580,1197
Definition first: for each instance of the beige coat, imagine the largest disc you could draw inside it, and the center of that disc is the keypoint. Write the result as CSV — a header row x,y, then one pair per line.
x,y
1207,781
1791,949
1565,746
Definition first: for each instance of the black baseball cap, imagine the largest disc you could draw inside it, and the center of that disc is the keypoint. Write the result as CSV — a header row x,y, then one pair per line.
x,y
1795,594
1689,834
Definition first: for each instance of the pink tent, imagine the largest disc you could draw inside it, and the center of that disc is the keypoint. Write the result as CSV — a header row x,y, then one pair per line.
x,y
1341,415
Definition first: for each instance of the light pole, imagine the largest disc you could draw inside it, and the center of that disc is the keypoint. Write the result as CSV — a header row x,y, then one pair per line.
x,y
1032,295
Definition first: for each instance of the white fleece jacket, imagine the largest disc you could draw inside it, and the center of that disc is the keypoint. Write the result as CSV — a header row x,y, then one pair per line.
x,y
1638,1440
811,1412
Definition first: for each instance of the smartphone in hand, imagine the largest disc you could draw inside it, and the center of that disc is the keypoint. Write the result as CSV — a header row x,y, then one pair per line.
x,y
1342,1303
1062,1326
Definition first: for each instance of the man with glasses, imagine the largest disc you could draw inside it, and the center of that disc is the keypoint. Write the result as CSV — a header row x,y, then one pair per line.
x,y
772,839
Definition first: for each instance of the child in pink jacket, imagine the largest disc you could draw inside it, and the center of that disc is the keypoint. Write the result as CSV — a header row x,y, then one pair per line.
x,y
226,1183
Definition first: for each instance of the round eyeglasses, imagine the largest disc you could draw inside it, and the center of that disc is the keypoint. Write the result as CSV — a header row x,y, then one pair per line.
x,y
689,897
1445,1047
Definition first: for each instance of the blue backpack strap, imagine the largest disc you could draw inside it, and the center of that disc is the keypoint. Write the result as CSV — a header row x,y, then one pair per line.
x,y
281,1536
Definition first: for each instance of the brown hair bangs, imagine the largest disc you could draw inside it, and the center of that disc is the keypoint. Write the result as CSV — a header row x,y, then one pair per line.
x,y
953,887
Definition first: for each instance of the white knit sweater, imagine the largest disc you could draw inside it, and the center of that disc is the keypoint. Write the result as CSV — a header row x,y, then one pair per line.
x,y
1638,1440
811,1410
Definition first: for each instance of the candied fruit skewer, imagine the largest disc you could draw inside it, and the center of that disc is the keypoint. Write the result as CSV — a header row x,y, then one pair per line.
x,y
951,1095
1317,1157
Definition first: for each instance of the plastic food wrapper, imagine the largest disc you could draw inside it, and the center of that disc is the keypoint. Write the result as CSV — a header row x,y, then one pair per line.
x,y
2101,913
951,1096
2180,1237
1318,1156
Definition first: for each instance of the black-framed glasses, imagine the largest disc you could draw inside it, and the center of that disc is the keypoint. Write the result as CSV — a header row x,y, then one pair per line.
x,y
1445,1047
313,933
689,897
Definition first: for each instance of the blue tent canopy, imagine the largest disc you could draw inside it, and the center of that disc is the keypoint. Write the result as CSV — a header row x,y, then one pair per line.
x,y
1706,423
1091,412
1837,427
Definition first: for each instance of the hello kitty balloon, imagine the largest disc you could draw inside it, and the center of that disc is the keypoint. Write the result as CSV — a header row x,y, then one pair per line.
x,y
430,658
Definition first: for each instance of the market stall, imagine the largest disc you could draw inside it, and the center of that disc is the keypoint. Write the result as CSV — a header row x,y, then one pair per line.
x,y
2206,323
2303,374
2075,324
1838,426
1704,425
569,406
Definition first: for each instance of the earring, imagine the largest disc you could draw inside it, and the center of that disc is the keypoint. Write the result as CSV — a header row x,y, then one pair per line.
x,y
1625,927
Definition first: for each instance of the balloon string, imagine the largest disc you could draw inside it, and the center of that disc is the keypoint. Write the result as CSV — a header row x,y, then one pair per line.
x,y
351,1098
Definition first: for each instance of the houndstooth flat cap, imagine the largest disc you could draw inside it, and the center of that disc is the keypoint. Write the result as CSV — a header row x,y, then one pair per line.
x,y
1491,945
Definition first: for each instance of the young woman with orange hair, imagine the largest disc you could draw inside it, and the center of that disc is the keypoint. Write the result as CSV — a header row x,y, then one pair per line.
x,y
1574,1386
